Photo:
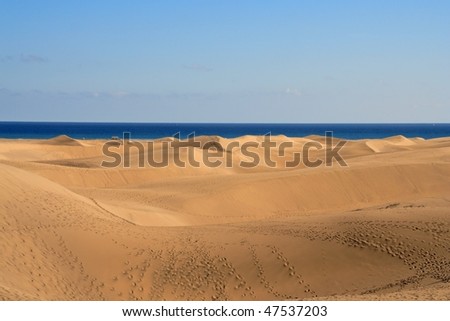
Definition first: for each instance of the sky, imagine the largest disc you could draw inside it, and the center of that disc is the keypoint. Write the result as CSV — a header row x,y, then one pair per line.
x,y
313,61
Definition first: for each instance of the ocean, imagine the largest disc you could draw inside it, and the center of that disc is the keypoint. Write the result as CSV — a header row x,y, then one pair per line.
x,y
43,130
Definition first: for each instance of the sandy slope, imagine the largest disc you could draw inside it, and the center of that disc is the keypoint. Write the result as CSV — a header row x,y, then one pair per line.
x,y
376,229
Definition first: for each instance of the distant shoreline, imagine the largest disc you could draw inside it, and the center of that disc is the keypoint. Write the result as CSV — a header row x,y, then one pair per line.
x,y
47,130
202,137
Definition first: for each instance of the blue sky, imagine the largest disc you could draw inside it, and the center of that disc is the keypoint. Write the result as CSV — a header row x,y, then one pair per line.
x,y
225,61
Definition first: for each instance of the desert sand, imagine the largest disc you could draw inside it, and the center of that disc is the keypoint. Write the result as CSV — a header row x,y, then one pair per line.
x,y
378,229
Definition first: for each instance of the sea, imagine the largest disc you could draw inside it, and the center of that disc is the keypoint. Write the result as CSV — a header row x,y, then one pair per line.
x,y
44,130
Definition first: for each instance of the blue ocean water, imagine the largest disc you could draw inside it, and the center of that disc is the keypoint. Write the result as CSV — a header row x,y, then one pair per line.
x,y
42,130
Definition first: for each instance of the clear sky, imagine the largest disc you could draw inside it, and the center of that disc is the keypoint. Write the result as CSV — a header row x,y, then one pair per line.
x,y
225,61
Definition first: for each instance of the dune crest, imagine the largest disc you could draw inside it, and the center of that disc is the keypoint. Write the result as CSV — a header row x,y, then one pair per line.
x,y
391,143
63,140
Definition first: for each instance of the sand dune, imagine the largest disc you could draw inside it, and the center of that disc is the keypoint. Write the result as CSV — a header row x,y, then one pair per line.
x,y
390,144
376,229
63,140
